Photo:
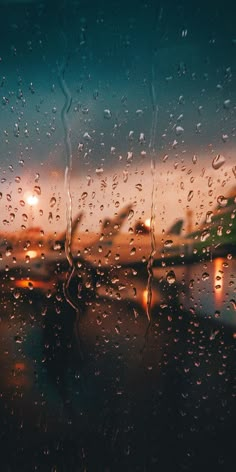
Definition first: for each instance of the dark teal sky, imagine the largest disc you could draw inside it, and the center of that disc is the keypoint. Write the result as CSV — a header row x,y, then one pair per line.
x,y
114,52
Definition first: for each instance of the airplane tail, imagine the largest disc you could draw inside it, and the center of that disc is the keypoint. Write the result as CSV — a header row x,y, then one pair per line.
x,y
111,227
176,228
75,223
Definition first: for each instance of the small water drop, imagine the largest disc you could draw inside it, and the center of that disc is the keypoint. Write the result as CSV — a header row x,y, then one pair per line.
x,y
139,187
222,201
53,202
205,235
227,104
218,161
170,277
190,195
205,276
168,243
84,195
179,130
107,114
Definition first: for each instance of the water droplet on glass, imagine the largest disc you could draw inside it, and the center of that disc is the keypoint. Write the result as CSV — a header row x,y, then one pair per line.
x,y
205,235
125,175
139,187
168,243
131,214
170,277
227,104
16,130
107,113
16,294
218,161
141,138
190,195
129,156
84,195
209,216
99,170
233,303
53,202
179,130
222,201
37,189
205,276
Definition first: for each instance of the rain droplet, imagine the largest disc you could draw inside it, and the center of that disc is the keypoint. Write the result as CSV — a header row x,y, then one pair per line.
x,y
168,243
190,196
227,104
125,175
129,156
218,161
37,189
209,216
53,202
133,251
131,214
16,294
233,302
99,170
84,195
141,138
16,130
87,136
179,130
205,235
107,114
170,277
205,276
222,201
139,187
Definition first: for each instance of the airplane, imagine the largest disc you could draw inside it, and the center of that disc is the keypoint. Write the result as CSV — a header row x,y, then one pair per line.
x,y
33,261
215,236
113,263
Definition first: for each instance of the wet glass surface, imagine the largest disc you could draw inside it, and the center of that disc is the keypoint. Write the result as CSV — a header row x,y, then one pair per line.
x,y
117,236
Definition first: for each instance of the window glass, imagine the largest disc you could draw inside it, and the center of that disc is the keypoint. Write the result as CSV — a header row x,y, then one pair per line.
x,y
117,235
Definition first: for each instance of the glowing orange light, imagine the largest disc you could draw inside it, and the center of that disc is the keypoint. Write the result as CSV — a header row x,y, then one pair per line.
x,y
147,222
20,366
218,278
32,200
145,298
31,254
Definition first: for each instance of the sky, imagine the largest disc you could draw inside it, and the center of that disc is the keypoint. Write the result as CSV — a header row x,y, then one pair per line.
x,y
122,69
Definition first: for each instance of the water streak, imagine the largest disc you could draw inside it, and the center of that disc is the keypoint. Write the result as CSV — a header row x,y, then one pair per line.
x,y
152,143
67,183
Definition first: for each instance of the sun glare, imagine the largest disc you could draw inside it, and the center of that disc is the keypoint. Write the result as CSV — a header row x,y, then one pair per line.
x,y
32,200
